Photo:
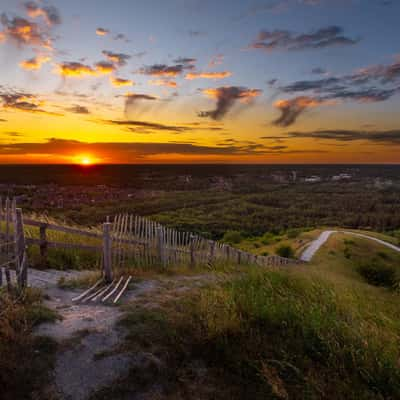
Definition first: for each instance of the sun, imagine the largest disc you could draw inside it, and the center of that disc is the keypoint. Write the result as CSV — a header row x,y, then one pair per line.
x,y
85,161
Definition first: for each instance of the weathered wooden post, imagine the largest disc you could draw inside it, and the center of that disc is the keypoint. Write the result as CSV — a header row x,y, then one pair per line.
x,y
192,255
239,256
160,245
211,254
107,252
43,243
22,264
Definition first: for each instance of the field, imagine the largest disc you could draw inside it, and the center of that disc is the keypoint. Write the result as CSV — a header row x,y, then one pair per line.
x,y
329,329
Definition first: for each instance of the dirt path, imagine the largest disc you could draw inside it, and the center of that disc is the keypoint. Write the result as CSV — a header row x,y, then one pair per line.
x,y
89,355
315,245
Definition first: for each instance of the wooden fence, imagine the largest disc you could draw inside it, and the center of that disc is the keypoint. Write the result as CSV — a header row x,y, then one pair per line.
x,y
13,258
133,240
126,242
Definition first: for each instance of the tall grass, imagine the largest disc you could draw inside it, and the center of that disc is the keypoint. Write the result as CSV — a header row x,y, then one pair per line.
x,y
291,337
25,360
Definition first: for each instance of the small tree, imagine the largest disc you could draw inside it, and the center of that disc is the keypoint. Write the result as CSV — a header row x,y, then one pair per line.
x,y
232,237
285,251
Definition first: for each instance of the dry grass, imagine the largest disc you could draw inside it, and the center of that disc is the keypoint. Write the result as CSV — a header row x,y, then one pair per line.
x,y
25,360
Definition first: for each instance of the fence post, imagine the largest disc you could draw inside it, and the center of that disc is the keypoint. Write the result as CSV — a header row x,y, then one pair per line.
x,y
211,254
239,256
43,243
160,245
107,243
192,256
21,249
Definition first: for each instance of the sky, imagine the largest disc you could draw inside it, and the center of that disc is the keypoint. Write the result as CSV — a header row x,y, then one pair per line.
x,y
199,81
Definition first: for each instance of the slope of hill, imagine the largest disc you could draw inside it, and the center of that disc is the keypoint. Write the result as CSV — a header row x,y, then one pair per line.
x,y
328,329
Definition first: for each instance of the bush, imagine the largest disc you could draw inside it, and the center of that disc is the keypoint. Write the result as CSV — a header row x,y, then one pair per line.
x,y
232,237
285,251
267,238
378,274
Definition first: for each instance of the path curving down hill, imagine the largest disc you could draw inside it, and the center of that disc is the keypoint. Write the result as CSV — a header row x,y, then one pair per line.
x,y
315,245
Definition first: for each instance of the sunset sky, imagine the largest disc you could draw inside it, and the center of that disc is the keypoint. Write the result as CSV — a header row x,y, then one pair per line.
x,y
188,81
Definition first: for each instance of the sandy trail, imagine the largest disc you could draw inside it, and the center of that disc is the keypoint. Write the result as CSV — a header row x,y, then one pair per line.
x,y
315,245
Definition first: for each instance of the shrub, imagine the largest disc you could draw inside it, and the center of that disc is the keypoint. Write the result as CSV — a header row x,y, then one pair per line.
x,y
285,251
294,233
378,274
267,238
232,237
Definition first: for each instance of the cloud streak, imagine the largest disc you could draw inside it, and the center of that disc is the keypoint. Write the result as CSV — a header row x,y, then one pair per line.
x,y
285,40
208,75
226,97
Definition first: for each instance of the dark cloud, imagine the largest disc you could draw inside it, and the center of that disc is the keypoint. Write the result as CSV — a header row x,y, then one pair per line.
x,y
144,124
165,70
226,97
318,85
22,101
272,82
127,151
132,100
185,60
121,36
293,108
49,13
119,59
77,109
383,137
318,71
286,40
24,32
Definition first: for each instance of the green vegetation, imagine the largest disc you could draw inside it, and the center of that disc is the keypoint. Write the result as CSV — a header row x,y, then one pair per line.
x,y
318,331
285,251
232,237
378,274
25,360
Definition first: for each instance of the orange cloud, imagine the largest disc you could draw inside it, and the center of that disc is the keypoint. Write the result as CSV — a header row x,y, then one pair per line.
x,y
208,75
104,68
49,13
119,82
291,109
34,63
243,94
102,31
24,32
79,70
163,82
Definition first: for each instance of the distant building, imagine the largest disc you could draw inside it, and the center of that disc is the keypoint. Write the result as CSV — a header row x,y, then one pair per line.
x,y
341,177
313,179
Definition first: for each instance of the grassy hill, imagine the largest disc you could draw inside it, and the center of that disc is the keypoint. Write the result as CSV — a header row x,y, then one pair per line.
x,y
319,331
329,329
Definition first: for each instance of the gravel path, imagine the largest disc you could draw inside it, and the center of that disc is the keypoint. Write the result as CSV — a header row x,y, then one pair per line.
x,y
310,251
89,355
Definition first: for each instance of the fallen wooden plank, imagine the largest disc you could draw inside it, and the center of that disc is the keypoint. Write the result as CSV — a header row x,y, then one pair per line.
x,y
104,291
114,290
81,296
123,289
